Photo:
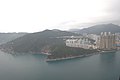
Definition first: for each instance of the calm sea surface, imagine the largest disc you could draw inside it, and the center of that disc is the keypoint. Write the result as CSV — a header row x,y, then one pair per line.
x,y
33,67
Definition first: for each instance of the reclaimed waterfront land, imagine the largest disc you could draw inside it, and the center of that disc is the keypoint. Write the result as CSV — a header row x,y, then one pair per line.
x,y
64,52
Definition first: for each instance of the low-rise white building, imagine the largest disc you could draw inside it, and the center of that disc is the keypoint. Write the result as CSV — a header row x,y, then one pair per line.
x,y
80,43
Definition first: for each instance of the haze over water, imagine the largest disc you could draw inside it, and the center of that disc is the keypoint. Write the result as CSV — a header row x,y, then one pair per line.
x,y
33,67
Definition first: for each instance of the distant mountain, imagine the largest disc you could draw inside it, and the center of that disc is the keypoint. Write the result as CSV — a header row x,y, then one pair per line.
x,y
36,42
74,30
97,29
6,37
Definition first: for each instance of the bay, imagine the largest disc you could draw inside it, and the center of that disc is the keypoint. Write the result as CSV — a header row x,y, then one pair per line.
x,y
34,67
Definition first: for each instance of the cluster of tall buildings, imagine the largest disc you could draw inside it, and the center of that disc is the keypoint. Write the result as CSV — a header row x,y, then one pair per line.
x,y
104,41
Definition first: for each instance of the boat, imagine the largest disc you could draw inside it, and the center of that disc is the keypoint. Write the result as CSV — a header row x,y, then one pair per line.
x,y
46,53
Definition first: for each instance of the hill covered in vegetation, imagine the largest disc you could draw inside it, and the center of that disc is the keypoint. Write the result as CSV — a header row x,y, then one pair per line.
x,y
36,42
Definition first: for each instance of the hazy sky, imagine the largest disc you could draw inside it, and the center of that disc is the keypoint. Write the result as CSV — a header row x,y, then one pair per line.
x,y
37,15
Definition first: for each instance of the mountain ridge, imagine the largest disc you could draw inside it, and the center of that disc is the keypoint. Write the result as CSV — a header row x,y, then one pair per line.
x,y
6,37
97,29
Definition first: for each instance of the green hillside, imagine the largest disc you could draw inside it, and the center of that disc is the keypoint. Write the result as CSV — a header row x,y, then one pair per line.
x,y
36,42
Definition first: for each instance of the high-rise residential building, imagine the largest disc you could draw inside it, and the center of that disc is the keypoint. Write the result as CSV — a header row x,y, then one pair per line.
x,y
107,41
117,40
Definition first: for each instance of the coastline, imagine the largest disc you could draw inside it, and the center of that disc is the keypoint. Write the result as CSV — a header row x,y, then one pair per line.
x,y
72,57
109,51
80,56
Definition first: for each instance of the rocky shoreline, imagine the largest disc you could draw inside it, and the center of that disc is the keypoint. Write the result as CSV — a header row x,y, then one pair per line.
x,y
72,57
80,56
